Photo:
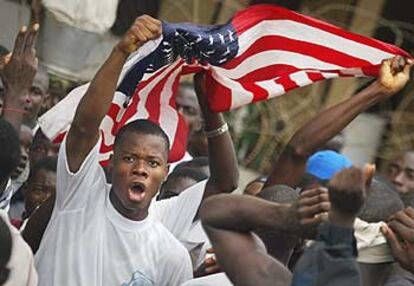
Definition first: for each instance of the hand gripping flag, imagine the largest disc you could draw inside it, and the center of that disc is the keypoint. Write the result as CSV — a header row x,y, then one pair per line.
x,y
263,52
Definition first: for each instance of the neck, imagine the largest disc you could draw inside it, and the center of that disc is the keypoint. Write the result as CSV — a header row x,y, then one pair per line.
x,y
129,213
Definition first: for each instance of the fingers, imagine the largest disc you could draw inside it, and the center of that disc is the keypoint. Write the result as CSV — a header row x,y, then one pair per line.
x,y
406,233
313,206
318,218
25,41
397,64
393,242
19,42
313,192
29,45
404,218
311,212
308,201
410,212
145,28
369,172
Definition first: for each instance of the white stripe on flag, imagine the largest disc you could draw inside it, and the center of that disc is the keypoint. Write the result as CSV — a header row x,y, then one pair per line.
x,y
302,32
168,115
239,95
273,88
274,57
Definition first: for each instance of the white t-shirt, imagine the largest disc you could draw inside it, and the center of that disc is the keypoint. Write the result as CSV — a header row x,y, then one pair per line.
x,y
197,243
219,279
177,213
21,264
87,242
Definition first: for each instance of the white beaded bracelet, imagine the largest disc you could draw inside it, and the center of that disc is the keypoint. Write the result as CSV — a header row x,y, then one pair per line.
x,y
217,132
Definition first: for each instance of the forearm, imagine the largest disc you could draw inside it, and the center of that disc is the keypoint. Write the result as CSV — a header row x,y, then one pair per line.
x,y
222,157
291,164
331,121
95,103
244,214
13,108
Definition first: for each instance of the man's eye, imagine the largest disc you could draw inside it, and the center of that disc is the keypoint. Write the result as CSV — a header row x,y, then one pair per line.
x,y
410,175
393,170
128,159
153,164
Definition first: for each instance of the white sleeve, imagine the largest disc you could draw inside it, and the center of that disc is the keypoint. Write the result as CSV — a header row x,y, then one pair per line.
x,y
177,213
177,267
74,189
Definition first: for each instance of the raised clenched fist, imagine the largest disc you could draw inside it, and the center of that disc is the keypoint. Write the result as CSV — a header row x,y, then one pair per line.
x,y
145,28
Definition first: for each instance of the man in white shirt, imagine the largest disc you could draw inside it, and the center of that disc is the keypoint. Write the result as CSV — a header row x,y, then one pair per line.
x,y
101,234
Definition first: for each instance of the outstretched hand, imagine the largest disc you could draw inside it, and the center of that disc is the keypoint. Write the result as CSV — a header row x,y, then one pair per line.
x,y
394,74
311,209
144,29
18,73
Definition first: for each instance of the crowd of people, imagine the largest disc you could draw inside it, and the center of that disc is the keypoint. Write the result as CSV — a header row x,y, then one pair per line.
x,y
315,219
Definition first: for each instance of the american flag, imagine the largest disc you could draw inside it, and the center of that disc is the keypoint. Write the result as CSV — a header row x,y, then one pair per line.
x,y
263,52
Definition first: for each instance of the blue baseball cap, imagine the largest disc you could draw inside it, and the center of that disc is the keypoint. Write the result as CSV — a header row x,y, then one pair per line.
x,y
326,163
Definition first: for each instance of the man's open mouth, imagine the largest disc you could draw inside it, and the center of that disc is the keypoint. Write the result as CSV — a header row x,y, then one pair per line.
x,y
137,192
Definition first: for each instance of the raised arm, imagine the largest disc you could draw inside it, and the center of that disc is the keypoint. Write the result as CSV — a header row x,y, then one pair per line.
x,y
224,173
230,219
18,74
291,164
84,131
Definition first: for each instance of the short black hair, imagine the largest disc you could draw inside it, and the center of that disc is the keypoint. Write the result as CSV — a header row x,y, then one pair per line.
x,y
142,126
381,202
191,173
187,172
279,193
9,150
278,244
198,163
307,181
47,163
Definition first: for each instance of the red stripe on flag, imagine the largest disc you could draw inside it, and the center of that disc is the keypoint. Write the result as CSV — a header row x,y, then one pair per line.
x,y
219,96
315,76
153,103
287,83
131,109
180,141
259,93
322,53
248,18
268,72
113,113
59,138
